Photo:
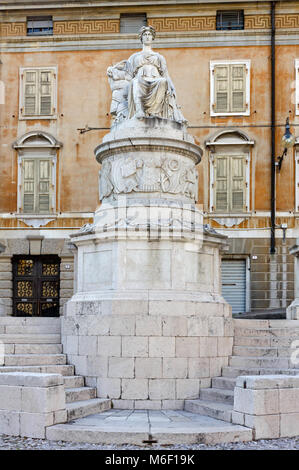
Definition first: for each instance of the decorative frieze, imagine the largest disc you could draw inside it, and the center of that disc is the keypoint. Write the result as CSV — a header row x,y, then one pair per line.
x,y
257,22
184,23
290,20
86,27
163,25
12,29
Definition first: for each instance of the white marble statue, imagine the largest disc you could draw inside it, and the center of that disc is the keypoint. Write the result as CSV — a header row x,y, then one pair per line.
x,y
141,86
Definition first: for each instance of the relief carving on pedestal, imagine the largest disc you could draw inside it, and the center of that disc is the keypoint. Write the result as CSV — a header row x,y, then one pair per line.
x,y
166,175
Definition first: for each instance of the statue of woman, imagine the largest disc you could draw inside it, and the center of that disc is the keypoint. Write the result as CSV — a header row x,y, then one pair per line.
x,y
150,92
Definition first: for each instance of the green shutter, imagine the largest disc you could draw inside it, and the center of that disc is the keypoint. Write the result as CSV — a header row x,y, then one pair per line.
x,y
28,186
237,183
30,93
36,186
221,73
230,88
38,92
221,184
43,186
230,184
45,96
238,89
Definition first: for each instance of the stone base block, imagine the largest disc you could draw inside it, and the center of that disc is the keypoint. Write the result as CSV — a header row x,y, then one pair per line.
x,y
155,360
267,404
30,402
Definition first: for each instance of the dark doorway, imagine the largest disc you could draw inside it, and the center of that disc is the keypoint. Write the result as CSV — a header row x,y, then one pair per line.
x,y
36,286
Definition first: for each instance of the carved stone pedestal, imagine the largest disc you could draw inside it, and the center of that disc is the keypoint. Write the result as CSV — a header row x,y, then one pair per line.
x,y
148,325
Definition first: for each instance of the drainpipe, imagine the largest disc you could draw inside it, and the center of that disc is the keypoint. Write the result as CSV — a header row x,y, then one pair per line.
x,y
273,168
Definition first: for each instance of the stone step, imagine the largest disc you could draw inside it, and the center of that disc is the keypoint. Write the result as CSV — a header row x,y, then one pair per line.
x,y
140,432
231,372
268,332
79,409
32,329
227,383
216,410
259,351
217,394
30,321
46,369
252,341
74,381
254,362
34,359
33,348
250,323
79,394
30,338
258,324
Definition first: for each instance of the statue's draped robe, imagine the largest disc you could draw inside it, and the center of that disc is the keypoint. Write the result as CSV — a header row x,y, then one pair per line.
x,y
153,86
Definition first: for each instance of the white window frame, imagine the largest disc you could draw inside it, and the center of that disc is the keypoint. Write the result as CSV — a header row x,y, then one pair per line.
x,y
54,70
213,64
297,87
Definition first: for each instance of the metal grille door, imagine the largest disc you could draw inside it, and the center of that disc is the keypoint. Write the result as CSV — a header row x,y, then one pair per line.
x,y
36,286
234,284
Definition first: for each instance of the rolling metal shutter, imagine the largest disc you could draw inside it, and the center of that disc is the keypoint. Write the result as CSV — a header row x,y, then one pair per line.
x,y
234,284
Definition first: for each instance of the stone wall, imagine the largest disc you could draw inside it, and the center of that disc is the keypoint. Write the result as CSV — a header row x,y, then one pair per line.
x,y
148,361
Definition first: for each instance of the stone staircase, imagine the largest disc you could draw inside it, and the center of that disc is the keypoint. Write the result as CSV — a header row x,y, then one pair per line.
x,y
260,347
34,345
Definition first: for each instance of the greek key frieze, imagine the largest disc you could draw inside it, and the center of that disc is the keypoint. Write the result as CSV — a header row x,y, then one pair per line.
x,y
12,29
264,21
184,23
86,27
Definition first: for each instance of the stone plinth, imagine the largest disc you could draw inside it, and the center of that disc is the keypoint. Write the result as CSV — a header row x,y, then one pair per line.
x,y
147,324
29,402
268,404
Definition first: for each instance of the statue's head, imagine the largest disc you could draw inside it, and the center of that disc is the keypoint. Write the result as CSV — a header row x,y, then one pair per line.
x,y
147,34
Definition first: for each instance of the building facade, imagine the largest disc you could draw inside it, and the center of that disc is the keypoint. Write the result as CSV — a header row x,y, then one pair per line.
x,y
243,82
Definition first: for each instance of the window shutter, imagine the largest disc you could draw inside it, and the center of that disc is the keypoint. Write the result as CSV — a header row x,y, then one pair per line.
x,y
30,92
36,186
130,24
29,186
43,186
221,184
237,183
46,87
238,79
221,73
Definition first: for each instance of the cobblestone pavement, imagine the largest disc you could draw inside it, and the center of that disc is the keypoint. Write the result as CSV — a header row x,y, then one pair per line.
x,y
20,443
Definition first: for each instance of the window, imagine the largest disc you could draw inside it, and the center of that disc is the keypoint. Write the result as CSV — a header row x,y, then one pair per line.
x,y
131,24
229,183
37,160
230,19
36,184
38,93
230,88
39,25
230,154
